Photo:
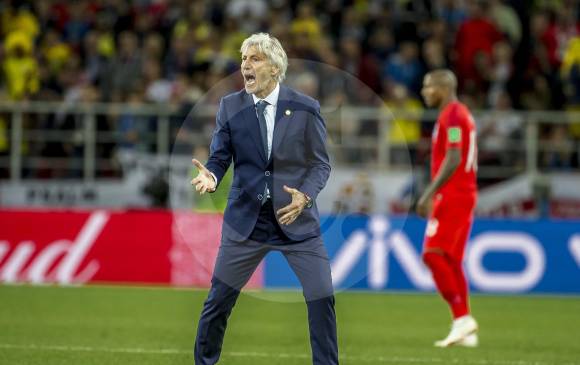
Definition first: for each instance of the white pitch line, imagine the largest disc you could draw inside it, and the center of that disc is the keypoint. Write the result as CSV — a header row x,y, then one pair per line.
x,y
366,359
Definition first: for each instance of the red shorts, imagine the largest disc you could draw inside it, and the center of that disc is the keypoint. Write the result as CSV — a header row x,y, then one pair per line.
x,y
449,224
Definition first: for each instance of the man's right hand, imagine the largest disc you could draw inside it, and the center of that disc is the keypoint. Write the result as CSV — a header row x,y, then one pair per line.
x,y
204,181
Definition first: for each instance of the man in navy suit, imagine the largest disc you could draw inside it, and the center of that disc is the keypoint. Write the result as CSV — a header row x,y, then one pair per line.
x,y
276,138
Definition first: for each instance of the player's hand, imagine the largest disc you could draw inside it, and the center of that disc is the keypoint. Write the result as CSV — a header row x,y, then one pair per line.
x,y
424,206
289,213
204,181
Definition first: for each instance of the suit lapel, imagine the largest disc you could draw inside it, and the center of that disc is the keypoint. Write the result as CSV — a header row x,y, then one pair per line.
x,y
283,119
252,123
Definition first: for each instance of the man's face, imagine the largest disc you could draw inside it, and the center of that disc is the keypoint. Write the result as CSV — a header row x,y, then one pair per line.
x,y
430,92
259,74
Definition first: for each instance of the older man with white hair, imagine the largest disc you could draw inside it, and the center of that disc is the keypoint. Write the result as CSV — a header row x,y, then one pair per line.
x,y
276,138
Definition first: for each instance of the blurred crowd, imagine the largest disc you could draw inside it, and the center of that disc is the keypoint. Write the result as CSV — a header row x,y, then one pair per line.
x,y
508,55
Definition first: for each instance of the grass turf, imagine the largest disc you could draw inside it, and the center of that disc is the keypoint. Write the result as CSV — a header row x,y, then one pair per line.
x,y
123,325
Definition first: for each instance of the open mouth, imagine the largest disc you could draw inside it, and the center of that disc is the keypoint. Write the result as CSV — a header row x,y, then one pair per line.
x,y
249,79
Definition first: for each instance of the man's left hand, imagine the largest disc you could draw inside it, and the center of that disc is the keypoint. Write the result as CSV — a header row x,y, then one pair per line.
x,y
289,213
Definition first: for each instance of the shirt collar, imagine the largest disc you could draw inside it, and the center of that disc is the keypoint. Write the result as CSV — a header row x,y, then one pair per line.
x,y
272,99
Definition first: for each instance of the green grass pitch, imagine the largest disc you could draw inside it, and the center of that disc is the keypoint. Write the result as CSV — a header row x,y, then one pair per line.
x,y
123,325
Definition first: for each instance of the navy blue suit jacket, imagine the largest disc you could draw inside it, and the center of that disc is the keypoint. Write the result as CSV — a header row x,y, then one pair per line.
x,y
298,160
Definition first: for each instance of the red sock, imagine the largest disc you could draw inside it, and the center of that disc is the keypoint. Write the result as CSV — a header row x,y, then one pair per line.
x,y
448,283
462,282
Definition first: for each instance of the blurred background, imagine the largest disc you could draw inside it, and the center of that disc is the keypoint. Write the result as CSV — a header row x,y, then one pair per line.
x,y
103,103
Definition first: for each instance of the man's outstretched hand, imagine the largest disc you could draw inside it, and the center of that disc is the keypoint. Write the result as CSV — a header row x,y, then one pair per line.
x,y
204,181
289,213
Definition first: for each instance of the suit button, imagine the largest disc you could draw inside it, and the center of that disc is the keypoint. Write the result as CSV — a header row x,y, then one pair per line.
x,y
260,197
267,173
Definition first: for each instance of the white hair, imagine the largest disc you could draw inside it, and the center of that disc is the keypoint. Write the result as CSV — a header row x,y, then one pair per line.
x,y
271,48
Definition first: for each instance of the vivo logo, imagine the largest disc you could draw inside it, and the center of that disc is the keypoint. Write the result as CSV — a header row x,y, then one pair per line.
x,y
380,242
25,263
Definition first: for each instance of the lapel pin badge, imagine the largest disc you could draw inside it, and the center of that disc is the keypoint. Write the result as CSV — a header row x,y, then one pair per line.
x,y
287,112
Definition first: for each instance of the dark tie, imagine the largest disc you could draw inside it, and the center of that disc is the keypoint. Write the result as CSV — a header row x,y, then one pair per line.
x,y
261,108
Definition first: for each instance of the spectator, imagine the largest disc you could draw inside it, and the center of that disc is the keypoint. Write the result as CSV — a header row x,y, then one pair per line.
x,y
124,69
20,68
500,134
404,67
405,125
54,51
501,71
433,55
506,20
381,44
157,89
20,20
248,12
351,26
180,56
306,24
538,95
153,47
78,24
558,148
570,72
134,128
475,39
452,13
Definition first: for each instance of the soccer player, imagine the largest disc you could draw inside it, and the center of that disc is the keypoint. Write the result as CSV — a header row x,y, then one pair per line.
x,y
449,201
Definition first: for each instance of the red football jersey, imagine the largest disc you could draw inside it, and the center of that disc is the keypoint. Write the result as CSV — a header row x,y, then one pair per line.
x,y
455,128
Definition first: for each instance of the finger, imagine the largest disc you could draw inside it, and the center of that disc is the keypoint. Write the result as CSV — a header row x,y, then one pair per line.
x,y
285,221
289,190
203,190
198,164
198,186
196,180
284,210
286,217
292,219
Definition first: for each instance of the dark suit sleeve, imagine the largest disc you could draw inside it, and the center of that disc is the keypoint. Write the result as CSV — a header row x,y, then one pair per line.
x,y
316,155
220,150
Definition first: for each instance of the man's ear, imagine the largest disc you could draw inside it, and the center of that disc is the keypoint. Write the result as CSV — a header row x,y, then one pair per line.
x,y
274,71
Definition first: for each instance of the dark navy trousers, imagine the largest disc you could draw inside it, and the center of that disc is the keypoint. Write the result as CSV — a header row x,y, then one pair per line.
x,y
235,265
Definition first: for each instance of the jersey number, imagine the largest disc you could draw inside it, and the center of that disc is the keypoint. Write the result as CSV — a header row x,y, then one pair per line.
x,y
471,163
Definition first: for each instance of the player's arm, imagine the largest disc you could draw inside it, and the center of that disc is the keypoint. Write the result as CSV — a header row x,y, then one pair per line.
x,y
450,163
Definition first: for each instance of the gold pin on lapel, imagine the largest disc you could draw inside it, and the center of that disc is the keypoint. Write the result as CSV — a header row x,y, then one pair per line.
x,y
287,112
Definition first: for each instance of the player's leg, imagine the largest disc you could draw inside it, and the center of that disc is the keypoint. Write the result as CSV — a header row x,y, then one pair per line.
x,y
440,238
456,260
446,281
235,264
309,261
445,241
440,242
450,286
